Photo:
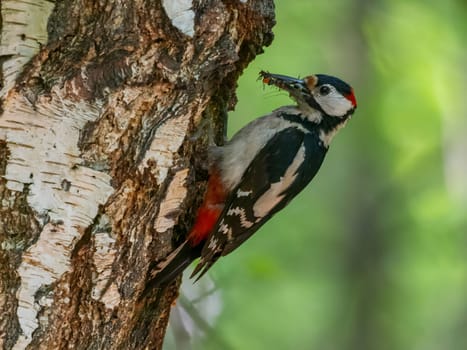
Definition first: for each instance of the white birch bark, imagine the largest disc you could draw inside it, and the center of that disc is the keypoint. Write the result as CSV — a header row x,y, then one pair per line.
x,y
98,171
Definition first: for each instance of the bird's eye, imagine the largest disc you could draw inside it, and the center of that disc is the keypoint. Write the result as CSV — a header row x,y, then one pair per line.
x,y
324,90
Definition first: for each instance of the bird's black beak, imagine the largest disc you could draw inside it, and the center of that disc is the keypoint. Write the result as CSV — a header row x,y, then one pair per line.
x,y
293,85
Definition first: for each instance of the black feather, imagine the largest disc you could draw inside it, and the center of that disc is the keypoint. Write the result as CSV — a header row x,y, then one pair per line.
x,y
340,85
268,167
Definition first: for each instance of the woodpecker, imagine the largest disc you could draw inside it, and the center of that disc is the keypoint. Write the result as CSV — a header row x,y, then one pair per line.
x,y
258,172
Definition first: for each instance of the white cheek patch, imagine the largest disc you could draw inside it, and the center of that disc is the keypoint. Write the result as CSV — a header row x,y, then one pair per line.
x,y
334,104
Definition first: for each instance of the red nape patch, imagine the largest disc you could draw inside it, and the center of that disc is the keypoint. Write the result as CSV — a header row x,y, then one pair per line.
x,y
352,99
210,210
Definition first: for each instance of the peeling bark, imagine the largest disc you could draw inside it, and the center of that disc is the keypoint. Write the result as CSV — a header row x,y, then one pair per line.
x,y
100,172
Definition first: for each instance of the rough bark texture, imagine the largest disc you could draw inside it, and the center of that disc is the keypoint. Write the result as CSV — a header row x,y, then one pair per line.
x,y
106,109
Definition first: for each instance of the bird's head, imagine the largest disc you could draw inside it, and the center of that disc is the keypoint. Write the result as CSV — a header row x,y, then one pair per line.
x,y
324,93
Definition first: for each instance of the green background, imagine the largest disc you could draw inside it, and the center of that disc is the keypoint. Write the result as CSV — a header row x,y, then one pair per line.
x,y
372,255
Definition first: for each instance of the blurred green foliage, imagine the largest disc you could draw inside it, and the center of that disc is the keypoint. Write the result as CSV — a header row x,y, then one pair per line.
x,y
372,255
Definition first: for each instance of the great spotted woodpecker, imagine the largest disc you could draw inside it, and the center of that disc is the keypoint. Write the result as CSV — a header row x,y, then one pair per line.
x,y
258,172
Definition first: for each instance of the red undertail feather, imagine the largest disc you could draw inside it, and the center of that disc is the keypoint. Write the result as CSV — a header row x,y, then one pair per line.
x,y
188,251
210,210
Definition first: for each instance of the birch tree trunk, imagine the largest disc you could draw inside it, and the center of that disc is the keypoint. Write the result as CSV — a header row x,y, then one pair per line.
x,y
106,108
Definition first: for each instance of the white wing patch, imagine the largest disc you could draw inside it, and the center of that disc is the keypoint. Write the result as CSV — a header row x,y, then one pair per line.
x,y
241,214
213,244
241,193
239,152
273,196
226,230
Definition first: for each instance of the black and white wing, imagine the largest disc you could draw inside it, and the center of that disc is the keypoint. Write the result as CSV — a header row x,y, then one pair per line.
x,y
278,173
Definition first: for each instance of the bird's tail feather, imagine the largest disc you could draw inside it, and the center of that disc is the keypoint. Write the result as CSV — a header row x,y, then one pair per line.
x,y
167,270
